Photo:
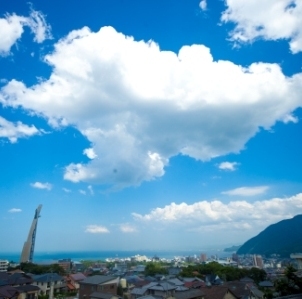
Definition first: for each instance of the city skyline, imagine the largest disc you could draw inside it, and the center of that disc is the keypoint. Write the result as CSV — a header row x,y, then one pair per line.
x,y
149,126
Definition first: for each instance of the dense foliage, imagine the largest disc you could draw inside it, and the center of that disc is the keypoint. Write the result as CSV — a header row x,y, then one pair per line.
x,y
290,284
227,273
153,268
41,269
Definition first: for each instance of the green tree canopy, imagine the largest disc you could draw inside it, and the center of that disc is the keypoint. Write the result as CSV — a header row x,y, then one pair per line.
x,y
153,268
41,269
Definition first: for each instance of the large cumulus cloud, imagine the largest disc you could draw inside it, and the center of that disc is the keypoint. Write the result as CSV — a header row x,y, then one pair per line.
x,y
210,215
139,106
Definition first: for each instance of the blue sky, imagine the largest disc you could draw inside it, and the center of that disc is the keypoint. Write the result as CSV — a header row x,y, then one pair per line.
x,y
148,124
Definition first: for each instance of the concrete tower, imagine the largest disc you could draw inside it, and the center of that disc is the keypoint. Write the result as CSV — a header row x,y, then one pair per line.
x,y
29,246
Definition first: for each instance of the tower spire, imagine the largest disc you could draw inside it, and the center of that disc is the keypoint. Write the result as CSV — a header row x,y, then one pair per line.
x,y
29,245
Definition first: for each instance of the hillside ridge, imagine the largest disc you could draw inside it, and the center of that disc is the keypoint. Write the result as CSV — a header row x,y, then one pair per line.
x,y
283,238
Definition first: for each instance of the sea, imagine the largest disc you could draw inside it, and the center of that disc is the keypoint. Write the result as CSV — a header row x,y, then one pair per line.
x,y
46,257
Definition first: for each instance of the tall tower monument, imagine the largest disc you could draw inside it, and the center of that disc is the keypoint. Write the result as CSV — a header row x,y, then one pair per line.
x,y
29,245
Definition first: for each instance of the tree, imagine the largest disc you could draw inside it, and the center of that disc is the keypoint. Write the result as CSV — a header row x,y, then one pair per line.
x,y
41,269
290,284
257,274
154,268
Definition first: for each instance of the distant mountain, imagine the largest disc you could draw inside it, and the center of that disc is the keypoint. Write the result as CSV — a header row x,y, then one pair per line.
x,y
234,248
284,238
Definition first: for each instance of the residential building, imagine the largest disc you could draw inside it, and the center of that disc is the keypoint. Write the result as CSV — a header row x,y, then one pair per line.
x,y
8,292
98,283
161,289
3,265
219,292
73,281
189,294
47,281
17,285
99,295
28,291
65,264
77,267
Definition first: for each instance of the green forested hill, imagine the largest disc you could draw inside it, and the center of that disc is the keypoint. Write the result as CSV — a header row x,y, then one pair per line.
x,y
284,238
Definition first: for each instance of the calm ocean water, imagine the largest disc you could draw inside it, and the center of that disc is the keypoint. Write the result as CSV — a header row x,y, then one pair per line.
x,y
40,257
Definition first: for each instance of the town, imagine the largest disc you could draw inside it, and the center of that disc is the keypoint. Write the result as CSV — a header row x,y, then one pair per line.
x,y
140,277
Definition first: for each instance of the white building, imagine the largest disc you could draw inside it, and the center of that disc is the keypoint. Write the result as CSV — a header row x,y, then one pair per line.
x,y
3,265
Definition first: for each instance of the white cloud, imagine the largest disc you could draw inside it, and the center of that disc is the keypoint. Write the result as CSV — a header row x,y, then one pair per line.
x,y
89,152
66,190
14,210
38,25
12,28
203,5
289,118
96,229
231,166
78,172
14,131
40,185
270,20
127,228
215,215
247,191
83,192
113,90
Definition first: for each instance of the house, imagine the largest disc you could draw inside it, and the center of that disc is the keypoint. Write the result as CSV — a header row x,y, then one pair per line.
x,y
19,285
8,292
77,267
193,282
73,281
99,295
15,279
219,292
175,281
239,289
266,284
98,283
255,293
28,291
189,294
48,280
65,264
138,292
161,289
247,280
212,279
139,269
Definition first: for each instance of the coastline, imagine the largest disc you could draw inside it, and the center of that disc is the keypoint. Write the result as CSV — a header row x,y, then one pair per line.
x,y
40,257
